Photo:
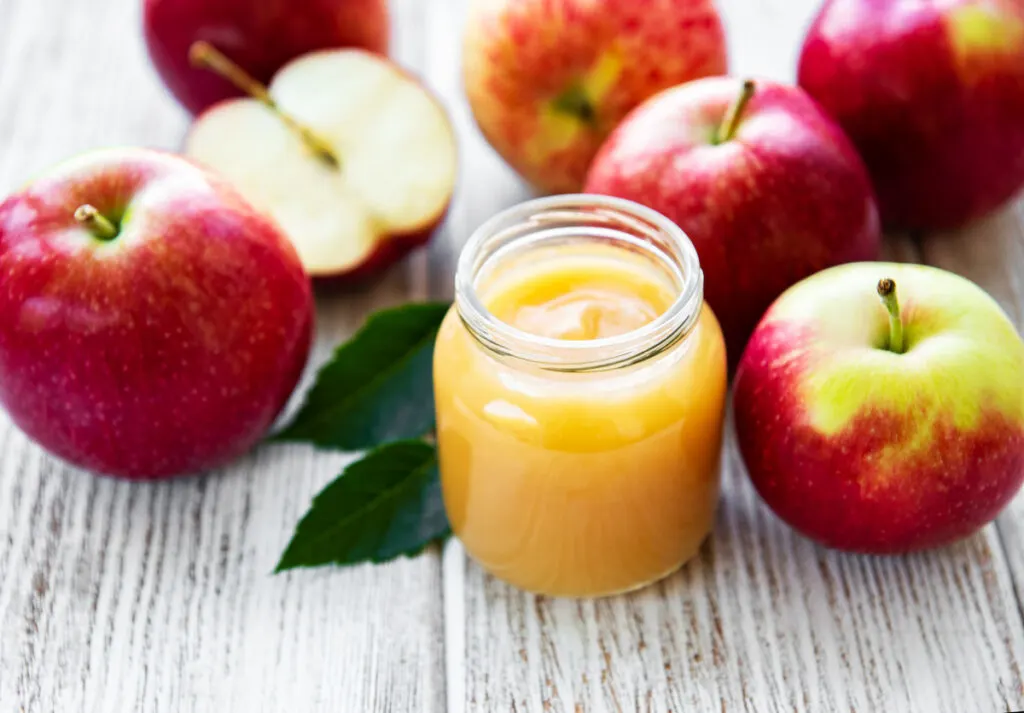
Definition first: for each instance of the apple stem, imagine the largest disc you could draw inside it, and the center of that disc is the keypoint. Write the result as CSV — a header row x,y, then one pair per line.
x,y
731,122
887,291
95,222
203,54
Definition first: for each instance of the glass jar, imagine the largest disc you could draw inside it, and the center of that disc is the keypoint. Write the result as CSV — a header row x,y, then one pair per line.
x,y
579,420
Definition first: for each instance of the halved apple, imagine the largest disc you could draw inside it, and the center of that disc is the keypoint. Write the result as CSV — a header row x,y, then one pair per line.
x,y
353,157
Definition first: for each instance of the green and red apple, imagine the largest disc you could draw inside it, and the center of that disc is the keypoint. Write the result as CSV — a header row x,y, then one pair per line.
x,y
353,157
766,186
932,94
152,323
262,35
883,425
548,81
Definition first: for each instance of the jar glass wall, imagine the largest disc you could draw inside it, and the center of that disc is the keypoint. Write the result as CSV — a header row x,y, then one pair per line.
x,y
580,386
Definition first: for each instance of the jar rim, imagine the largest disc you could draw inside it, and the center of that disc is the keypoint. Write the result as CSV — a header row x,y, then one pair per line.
x,y
631,223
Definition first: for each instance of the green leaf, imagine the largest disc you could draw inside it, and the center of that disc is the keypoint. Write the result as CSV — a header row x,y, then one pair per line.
x,y
377,387
383,506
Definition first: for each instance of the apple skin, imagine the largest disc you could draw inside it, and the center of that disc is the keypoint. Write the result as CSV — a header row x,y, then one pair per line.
x,y
863,449
385,255
260,35
786,197
167,350
523,58
932,94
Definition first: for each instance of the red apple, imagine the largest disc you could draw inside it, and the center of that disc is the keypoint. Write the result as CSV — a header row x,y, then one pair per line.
x,y
932,94
883,426
764,183
262,35
548,81
353,157
152,323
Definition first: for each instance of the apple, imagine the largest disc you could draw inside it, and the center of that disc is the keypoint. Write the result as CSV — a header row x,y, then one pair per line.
x,y
263,35
353,157
932,94
883,426
547,81
152,323
766,186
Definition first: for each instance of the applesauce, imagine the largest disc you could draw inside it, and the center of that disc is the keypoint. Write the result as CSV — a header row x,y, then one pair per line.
x,y
580,386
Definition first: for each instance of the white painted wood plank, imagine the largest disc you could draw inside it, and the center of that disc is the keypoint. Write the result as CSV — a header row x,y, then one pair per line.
x,y
118,597
763,620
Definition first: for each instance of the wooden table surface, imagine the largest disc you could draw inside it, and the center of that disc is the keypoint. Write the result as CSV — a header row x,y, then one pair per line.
x,y
119,597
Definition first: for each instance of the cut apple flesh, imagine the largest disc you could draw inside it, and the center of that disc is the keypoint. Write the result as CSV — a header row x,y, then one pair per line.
x,y
393,141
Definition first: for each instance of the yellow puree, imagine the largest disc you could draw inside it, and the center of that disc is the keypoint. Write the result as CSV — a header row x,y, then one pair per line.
x,y
572,483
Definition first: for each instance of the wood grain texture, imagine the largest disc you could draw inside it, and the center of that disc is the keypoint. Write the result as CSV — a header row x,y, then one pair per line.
x,y
763,620
119,597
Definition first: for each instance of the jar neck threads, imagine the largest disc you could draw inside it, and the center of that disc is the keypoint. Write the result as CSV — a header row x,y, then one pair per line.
x,y
579,220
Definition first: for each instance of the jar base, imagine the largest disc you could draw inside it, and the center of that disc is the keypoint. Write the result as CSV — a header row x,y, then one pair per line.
x,y
601,594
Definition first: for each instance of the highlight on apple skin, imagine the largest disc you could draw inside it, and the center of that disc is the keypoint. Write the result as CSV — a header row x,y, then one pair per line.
x,y
261,35
883,427
548,81
352,156
764,183
932,94
152,323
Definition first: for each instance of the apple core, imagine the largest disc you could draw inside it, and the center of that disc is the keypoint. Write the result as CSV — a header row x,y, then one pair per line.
x,y
282,148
